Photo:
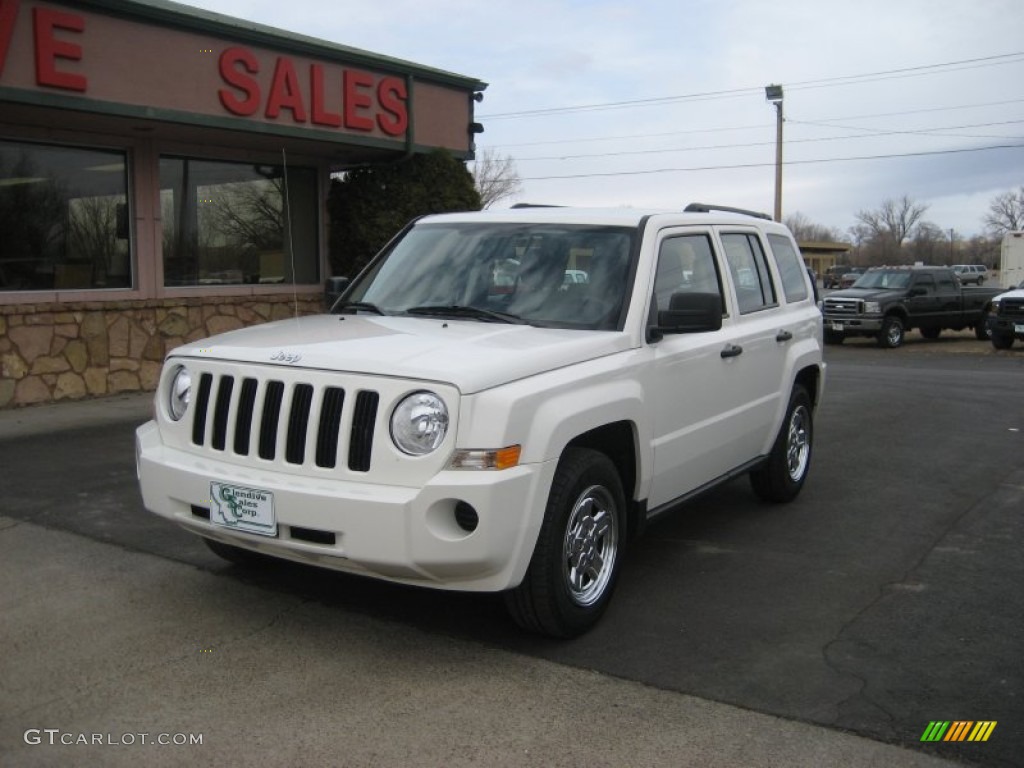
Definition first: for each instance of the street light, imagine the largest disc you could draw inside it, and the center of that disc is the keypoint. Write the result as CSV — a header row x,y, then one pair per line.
x,y
773,93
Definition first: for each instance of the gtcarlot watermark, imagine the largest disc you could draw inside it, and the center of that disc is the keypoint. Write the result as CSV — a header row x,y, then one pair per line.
x,y
55,736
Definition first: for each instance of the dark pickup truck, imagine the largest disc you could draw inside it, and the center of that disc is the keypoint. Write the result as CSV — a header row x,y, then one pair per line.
x,y
886,302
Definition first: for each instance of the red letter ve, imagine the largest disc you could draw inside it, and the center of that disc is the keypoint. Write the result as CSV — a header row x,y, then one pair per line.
x,y
49,48
8,15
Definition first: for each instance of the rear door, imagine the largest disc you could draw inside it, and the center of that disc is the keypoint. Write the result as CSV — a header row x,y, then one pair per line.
x,y
762,336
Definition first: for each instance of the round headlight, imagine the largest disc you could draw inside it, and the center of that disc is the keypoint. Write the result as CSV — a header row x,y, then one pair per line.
x,y
419,423
180,394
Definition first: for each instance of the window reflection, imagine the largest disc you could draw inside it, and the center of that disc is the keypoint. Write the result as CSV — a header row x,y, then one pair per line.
x,y
64,222
227,223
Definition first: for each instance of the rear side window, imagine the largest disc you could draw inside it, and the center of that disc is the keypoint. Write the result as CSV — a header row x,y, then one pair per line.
x,y
749,268
791,268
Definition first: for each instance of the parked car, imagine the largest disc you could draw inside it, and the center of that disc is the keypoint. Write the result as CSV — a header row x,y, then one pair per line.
x,y
832,275
851,276
971,273
888,301
443,431
1006,320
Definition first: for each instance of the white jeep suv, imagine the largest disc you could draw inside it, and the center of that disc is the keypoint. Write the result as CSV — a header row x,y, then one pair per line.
x,y
468,419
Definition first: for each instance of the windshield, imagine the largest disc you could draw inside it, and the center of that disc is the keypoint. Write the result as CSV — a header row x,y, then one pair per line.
x,y
883,279
546,275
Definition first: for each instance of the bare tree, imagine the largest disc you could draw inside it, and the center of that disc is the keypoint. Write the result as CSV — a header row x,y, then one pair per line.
x,y
496,177
891,224
804,230
1006,213
931,245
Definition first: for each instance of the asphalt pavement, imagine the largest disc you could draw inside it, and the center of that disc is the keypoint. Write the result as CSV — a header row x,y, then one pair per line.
x,y
828,632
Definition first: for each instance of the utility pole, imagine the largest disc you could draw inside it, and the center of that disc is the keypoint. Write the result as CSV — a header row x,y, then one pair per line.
x,y
773,93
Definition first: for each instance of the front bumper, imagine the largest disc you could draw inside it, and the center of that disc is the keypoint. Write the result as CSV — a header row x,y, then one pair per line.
x,y
853,324
1007,326
408,535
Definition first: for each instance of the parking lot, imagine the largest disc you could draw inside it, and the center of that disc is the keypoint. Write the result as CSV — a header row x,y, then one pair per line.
x,y
886,597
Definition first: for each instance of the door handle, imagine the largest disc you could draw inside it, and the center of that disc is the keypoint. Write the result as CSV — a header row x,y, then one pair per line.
x,y
782,336
732,350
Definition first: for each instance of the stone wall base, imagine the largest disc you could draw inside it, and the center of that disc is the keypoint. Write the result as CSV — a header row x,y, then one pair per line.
x,y
52,352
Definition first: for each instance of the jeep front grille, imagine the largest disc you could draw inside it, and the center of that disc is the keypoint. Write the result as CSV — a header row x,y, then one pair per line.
x,y
264,412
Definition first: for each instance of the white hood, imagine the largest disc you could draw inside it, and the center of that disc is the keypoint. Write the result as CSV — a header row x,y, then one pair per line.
x,y
473,356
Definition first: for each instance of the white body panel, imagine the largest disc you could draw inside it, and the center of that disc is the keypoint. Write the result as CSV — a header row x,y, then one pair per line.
x,y
1011,260
694,416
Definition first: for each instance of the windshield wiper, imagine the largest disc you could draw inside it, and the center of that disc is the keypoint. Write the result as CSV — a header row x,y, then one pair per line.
x,y
456,310
366,306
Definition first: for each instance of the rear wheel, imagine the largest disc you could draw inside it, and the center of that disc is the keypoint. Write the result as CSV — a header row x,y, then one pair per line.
x,y
782,476
982,331
576,561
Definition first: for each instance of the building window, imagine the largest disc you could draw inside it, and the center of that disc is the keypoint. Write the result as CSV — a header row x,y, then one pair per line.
x,y
64,222
227,223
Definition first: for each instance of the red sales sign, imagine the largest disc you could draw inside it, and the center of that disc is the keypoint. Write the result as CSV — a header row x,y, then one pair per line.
x,y
329,96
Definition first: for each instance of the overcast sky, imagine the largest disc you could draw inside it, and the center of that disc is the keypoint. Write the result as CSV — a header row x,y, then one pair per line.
x,y
883,98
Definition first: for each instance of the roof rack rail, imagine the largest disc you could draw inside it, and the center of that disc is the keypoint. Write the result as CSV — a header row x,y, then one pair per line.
x,y
708,208
536,205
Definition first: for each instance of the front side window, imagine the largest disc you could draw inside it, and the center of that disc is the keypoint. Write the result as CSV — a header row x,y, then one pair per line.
x,y
64,222
228,223
925,284
686,264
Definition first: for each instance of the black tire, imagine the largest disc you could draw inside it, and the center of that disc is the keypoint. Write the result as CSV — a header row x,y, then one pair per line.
x,y
782,476
931,333
575,564
834,337
982,330
1002,340
245,558
892,333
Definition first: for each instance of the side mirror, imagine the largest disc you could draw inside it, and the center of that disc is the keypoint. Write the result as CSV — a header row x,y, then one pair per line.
x,y
333,289
688,313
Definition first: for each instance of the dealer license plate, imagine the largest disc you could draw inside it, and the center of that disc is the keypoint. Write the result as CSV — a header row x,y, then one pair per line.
x,y
837,326
243,509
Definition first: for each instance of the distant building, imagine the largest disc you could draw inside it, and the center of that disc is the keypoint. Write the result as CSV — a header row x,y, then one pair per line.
x,y
820,255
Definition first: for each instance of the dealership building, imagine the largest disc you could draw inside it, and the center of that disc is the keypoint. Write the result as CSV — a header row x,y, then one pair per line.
x,y
164,173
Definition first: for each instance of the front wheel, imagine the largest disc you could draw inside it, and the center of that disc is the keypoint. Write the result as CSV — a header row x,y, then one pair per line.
x,y
782,476
891,335
576,561
1002,340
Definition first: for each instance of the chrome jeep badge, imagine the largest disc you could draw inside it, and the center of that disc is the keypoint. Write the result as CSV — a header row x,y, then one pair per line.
x,y
286,357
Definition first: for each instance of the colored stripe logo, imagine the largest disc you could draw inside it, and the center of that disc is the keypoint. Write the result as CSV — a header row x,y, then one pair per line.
x,y
959,730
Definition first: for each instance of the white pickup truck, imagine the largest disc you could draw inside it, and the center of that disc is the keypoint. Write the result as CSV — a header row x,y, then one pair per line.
x,y
500,402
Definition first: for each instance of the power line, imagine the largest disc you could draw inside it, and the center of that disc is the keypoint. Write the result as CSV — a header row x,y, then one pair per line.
x,y
771,164
997,60
759,126
872,133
